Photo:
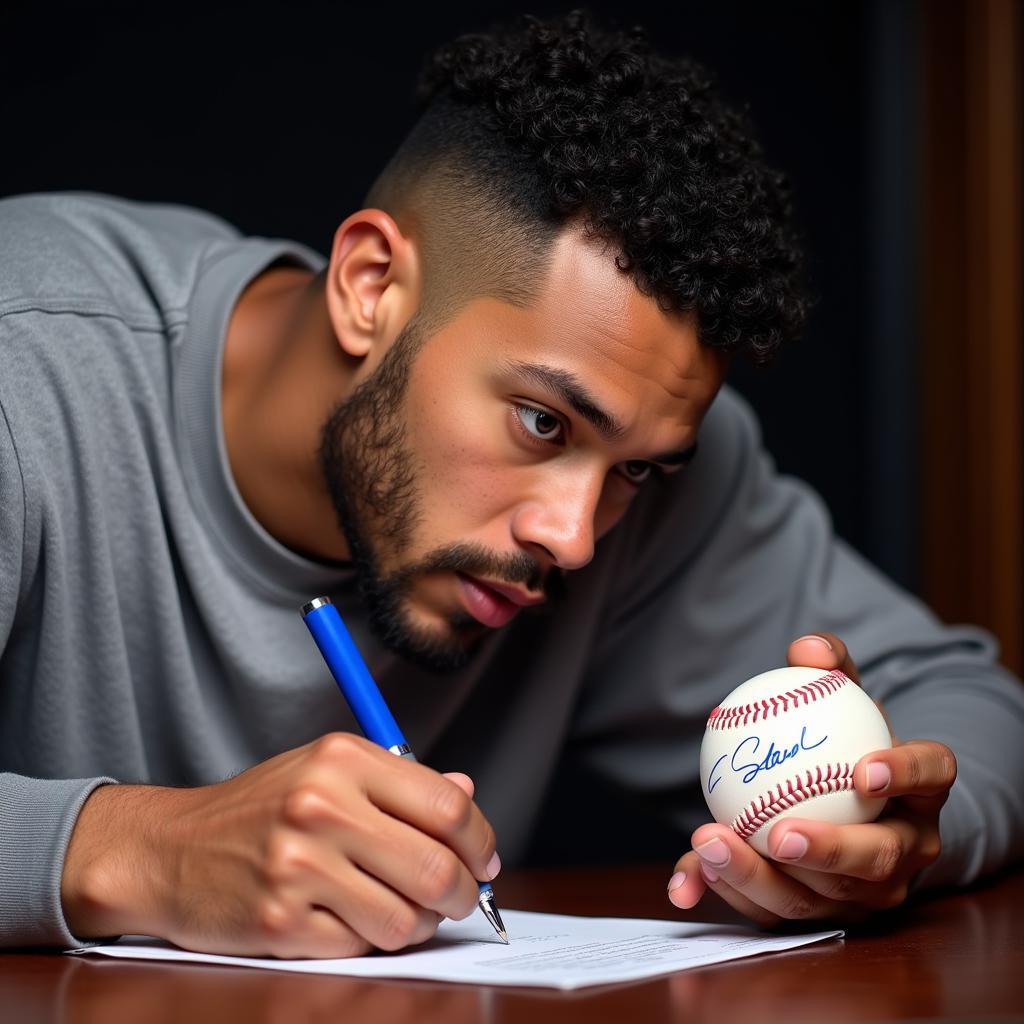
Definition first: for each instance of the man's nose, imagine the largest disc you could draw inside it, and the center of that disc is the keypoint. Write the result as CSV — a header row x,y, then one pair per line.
x,y
560,521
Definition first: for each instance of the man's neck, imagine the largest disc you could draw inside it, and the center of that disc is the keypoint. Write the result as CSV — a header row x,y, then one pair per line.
x,y
280,378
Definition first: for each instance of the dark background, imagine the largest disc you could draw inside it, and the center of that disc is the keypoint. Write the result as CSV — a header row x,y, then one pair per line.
x,y
277,117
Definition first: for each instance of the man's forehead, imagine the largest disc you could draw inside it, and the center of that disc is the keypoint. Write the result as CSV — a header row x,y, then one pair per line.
x,y
590,322
591,319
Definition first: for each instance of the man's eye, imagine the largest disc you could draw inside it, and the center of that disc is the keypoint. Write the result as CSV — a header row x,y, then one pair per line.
x,y
542,425
636,471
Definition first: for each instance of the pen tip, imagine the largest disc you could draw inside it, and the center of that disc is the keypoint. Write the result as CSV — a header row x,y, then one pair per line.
x,y
504,938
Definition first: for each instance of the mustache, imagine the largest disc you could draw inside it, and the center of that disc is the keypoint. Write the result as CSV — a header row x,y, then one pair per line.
x,y
476,560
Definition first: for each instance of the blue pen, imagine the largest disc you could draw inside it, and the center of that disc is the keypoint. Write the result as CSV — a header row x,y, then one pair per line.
x,y
367,704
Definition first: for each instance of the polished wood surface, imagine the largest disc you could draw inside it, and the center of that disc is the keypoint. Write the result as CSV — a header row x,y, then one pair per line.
x,y
956,956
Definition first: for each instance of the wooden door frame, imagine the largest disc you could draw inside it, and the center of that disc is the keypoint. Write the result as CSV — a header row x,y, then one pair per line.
x,y
973,328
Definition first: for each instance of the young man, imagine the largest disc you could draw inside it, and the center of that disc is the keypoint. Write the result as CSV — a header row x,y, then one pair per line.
x,y
493,429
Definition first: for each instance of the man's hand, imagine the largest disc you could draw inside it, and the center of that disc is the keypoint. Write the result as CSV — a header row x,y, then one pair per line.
x,y
330,850
822,870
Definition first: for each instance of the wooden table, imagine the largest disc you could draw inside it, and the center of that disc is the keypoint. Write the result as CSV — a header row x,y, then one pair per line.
x,y
958,956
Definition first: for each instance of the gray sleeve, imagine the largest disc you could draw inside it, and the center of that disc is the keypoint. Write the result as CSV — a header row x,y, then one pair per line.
x,y
742,562
36,820
36,815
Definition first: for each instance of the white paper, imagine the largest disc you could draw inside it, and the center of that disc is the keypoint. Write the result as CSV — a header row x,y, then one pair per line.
x,y
547,950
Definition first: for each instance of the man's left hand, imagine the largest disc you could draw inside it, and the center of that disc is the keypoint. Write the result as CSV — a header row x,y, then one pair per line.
x,y
819,869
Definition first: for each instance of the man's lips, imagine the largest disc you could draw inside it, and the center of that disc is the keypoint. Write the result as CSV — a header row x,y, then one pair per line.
x,y
493,604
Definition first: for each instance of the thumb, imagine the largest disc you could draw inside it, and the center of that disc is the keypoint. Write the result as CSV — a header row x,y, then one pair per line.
x,y
822,650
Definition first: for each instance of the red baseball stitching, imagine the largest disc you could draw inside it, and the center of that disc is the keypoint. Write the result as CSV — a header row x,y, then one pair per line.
x,y
836,778
744,714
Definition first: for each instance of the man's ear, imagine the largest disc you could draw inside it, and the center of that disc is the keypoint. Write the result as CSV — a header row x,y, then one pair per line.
x,y
373,282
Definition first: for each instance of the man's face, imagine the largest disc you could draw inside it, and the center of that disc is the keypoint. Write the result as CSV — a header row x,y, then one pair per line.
x,y
472,467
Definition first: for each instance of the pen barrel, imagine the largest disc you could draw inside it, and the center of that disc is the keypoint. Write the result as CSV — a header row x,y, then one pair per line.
x,y
352,676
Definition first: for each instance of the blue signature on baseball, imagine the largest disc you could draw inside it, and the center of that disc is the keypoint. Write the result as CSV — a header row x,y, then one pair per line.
x,y
750,748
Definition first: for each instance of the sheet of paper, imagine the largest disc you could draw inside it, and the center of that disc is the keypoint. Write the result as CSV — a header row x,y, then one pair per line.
x,y
548,950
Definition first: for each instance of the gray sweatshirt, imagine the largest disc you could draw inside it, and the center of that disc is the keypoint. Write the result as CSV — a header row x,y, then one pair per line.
x,y
149,626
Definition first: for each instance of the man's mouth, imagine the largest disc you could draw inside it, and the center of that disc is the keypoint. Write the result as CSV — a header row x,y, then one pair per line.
x,y
493,604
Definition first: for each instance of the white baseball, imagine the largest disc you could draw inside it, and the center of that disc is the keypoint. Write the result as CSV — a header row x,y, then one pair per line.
x,y
784,744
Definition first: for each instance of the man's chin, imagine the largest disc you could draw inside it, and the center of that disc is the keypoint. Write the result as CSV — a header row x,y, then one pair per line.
x,y
437,649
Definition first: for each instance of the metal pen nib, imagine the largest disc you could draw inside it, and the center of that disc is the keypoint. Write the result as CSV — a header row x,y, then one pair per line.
x,y
491,912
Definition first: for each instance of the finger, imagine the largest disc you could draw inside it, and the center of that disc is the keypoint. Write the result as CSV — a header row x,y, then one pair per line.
x,y
873,851
920,769
443,809
382,916
858,896
686,886
724,856
427,872
742,904
822,650
319,904
412,793
331,938
463,781
424,870
868,863
299,933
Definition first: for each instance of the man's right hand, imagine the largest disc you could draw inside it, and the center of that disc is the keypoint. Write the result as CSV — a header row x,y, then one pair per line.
x,y
330,850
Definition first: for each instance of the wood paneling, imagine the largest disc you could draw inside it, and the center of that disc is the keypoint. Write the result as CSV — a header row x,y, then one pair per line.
x,y
973,387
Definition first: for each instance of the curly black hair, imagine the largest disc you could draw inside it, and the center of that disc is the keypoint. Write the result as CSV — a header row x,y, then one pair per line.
x,y
569,122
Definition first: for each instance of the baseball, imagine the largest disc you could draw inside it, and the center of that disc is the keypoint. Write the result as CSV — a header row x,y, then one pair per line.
x,y
784,744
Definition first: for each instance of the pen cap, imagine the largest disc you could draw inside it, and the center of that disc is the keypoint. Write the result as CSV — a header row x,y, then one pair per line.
x,y
351,674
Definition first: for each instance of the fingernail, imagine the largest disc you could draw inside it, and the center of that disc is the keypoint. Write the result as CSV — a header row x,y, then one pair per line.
x,y
793,846
714,851
493,866
709,873
675,883
879,776
814,636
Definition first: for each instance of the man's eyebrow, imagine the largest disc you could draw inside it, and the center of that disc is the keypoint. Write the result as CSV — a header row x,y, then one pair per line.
x,y
566,386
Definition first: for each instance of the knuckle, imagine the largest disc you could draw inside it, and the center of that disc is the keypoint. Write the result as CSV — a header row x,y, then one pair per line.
x,y
886,859
336,747
285,859
914,771
797,906
343,946
744,875
832,855
397,928
451,807
947,766
353,945
929,848
303,806
275,921
426,927
439,875
840,888
892,896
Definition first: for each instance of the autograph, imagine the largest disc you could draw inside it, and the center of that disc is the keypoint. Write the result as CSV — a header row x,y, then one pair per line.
x,y
772,759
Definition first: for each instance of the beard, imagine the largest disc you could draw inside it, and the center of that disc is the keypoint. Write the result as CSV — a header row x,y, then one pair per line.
x,y
370,475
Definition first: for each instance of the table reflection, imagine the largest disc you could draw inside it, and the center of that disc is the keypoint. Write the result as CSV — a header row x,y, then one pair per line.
x,y
958,955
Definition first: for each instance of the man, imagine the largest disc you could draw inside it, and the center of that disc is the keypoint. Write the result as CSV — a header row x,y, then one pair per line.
x,y
493,429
